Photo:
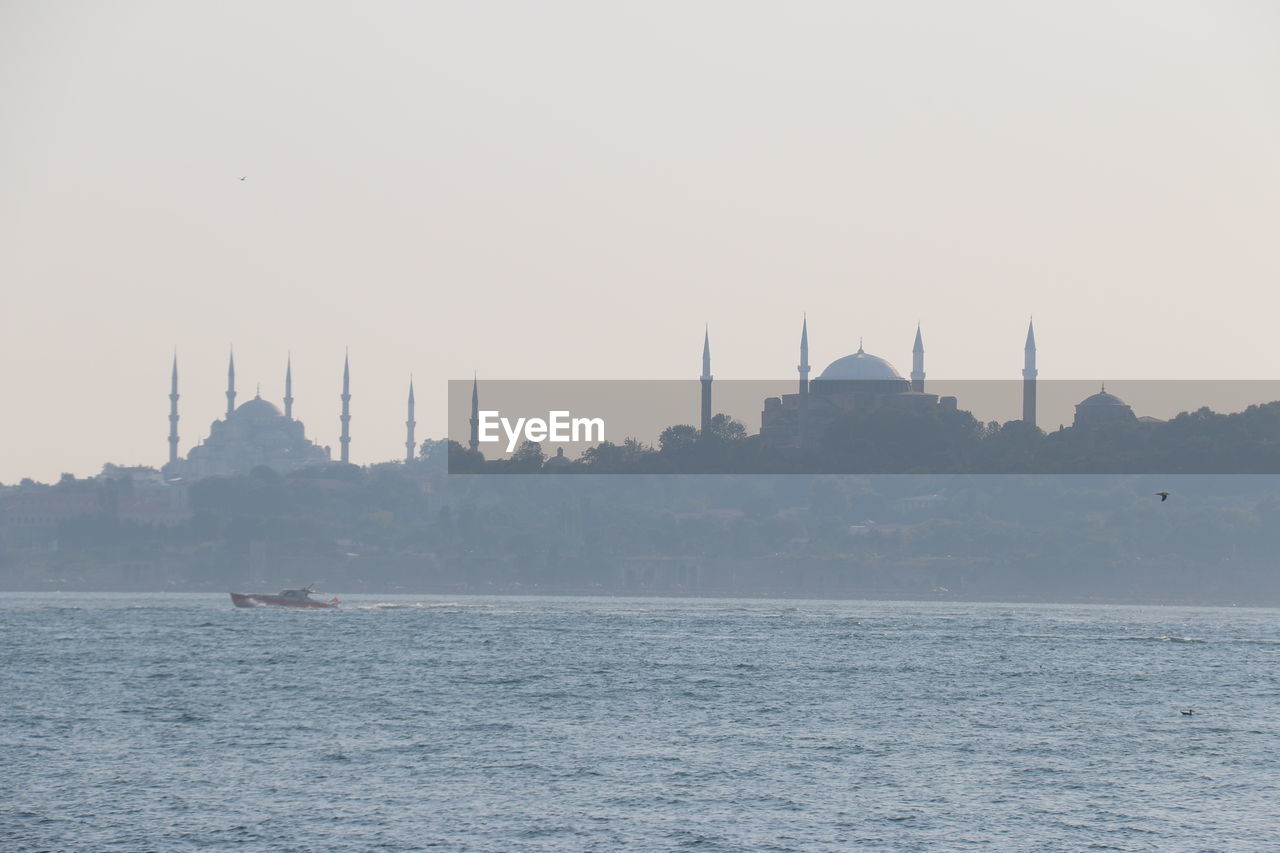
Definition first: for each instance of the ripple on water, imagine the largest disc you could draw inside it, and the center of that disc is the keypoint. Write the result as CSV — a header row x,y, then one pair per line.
x,y
575,724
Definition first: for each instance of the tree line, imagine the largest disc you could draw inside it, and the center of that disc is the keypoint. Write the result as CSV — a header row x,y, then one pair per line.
x,y
886,440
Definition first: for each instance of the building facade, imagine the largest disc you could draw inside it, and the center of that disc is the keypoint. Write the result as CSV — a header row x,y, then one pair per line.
x,y
861,381
254,434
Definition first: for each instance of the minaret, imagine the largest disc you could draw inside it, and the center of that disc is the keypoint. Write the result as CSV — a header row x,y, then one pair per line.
x,y
231,383
288,388
474,443
1029,377
804,357
917,362
409,444
803,422
173,412
345,439
706,382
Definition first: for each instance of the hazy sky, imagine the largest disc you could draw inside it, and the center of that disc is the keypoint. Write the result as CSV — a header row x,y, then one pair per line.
x,y
571,189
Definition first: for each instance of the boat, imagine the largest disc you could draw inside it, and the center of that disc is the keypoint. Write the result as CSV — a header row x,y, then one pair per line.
x,y
285,598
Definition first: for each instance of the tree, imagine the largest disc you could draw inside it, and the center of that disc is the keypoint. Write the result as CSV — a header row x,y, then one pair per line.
x,y
727,429
527,459
678,440
464,461
434,453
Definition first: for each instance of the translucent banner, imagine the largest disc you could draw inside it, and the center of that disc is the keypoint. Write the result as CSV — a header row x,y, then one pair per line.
x,y
872,426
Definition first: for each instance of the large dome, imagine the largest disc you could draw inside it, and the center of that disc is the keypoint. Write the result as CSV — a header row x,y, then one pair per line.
x,y
861,366
1102,409
257,409
1102,398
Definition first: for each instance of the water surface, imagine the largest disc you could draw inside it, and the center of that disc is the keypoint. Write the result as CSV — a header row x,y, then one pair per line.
x,y
167,722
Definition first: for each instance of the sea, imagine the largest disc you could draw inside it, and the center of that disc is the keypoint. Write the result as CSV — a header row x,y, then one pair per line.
x,y
174,722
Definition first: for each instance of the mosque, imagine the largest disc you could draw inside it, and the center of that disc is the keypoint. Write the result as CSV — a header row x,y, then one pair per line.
x,y
257,433
861,381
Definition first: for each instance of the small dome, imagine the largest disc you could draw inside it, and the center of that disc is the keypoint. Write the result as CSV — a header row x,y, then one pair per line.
x,y
1102,398
257,409
557,461
860,366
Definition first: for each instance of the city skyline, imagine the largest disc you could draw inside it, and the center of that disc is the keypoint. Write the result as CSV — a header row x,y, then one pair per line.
x,y
661,404
573,189
200,408
180,462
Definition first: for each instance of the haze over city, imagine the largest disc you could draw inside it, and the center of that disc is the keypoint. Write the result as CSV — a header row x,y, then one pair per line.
x,y
571,190
944,516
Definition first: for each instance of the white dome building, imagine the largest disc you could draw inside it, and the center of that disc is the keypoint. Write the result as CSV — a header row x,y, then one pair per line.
x,y
255,433
860,371
859,381
1103,410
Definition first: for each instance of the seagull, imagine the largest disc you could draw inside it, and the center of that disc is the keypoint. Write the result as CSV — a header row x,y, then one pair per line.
x,y
1164,496
1188,712
244,177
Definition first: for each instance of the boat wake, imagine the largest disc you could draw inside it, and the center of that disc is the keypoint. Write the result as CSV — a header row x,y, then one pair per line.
x,y
417,605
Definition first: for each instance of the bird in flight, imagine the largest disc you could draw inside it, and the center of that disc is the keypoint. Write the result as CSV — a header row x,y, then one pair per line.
x,y
244,177
1164,496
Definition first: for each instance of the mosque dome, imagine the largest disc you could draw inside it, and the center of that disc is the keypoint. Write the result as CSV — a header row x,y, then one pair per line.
x,y
1102,409
258,409
861,366
1102,398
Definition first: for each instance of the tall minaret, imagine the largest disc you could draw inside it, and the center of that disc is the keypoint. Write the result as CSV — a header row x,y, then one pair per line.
x,y
917,362
803,423
173,412
409,445
288,388
474,443
804,357
231,383
1029,377
706,382
345,439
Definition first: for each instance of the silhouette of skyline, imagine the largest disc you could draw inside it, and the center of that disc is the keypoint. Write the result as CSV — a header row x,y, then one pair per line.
x,y
566,190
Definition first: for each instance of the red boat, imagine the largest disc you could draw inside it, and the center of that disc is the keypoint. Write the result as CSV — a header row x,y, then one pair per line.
x,y
285,598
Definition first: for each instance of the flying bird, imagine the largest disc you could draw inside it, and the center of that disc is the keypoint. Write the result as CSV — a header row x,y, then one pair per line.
x,y
244,177
1164,496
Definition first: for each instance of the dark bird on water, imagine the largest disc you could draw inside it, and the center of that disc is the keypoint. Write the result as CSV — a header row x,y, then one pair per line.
x,y
1188,712
1164,496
